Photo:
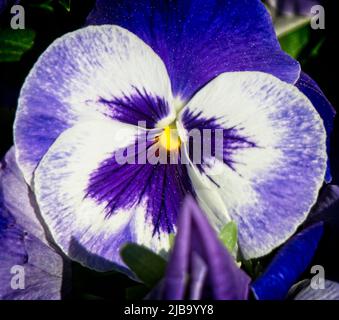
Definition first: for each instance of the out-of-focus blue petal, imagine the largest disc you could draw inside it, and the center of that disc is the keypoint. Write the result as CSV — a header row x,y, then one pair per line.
x,y
310,88
329,292
200,266
2,5
23,242
287,266
200,39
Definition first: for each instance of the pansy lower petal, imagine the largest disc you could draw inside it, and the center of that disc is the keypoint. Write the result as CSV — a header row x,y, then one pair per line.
x,y
30,268
271,156
93,205
199,39
92,73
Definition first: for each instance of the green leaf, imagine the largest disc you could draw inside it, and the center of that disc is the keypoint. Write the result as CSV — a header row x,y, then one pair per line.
x,y
295,41
284,25
45,5
147,265
229,235
66,4
14,43
137,292
316,49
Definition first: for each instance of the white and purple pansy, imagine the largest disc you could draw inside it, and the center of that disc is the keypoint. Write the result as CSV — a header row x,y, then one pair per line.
x,y
202,66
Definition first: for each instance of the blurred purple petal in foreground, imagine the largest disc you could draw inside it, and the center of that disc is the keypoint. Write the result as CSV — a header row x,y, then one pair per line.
x,y
200,267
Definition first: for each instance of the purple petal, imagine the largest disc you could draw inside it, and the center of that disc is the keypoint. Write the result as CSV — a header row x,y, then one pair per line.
x,y
199,272
7,3
92,73
199,39
23,242
288,265
272,161
326,207
93,204
330,292
223,281
312,91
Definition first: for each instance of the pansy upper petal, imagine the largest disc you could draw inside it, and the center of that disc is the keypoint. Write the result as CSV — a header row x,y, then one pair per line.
x,y
199,39
93,203
24,249
92,73
272,158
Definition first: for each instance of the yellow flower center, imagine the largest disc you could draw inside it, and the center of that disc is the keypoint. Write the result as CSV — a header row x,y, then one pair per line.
x,y
169,138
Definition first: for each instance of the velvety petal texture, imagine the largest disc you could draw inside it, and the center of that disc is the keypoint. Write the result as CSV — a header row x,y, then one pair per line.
x,y
91,201
272,153
24,247
288,265
92,73
200,266
199,39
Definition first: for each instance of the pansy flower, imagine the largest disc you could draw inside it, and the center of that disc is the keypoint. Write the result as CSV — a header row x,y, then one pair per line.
x,y
194,66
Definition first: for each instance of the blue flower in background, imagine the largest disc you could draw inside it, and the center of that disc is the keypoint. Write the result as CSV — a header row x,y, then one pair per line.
x,y
192,65
24,243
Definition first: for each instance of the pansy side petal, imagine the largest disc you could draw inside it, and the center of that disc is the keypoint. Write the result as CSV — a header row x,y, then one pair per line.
x,y
30,268
312,91
92,73
199,39
18,197
268,154
94,204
